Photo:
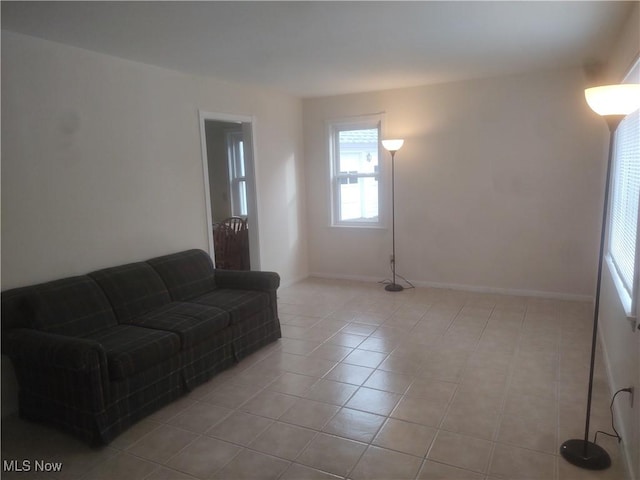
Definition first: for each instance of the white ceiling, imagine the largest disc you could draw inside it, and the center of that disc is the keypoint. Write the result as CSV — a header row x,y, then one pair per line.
x,y
313,48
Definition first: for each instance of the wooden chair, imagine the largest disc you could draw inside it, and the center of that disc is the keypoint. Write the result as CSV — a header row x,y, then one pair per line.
x,y
231,244
237,224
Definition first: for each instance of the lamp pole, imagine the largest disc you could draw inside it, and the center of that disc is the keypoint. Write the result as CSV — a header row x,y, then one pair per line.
x,y
393,146
613,102
584,453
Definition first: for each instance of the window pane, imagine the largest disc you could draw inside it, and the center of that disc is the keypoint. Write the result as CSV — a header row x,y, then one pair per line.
x,y
625,195
355,171
370,194
237,180
240,160
242,193
359,200
358,150
624,201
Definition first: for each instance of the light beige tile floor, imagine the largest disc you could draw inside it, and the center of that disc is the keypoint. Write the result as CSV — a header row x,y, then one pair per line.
x,y
420,384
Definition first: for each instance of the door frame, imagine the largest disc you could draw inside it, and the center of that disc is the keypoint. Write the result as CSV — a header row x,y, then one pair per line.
x,y
252,203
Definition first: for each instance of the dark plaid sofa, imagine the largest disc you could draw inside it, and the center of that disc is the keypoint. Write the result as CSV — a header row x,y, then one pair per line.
x,y
95,353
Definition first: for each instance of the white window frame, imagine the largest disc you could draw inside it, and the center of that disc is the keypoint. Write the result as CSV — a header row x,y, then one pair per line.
x,y
335,176
627,288
235,155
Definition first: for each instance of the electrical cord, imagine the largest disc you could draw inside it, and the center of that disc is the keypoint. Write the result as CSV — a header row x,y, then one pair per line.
x,y
411,285
616,434
388,281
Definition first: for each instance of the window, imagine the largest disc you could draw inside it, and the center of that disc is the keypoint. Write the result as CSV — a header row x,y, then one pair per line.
x,y
625,195
355,172
237,175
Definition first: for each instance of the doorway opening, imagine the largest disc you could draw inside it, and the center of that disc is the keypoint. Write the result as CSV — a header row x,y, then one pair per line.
x,y
228,163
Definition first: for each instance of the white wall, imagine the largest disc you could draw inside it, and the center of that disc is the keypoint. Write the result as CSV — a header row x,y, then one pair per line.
x,y
621,347
498,186
220,192
102,165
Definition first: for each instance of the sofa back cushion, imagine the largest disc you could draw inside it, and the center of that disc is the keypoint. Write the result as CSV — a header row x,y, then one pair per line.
x,y
74,306
187,274
132,289
16,312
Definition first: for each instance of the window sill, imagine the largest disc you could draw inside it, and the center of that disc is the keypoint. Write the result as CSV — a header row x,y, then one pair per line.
x,y
625,298
357,226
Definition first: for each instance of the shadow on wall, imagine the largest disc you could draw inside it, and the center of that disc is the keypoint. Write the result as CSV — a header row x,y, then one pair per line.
x,y
292,201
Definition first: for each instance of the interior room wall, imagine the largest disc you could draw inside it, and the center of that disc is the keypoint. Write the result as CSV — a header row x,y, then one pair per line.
x,y
621,347
497,186
219,168
102,164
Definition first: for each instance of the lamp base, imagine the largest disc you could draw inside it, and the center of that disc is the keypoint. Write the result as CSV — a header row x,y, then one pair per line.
x,y
596,457
393,287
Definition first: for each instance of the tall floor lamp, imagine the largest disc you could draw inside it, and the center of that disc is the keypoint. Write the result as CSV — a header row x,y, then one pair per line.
x,y
613,102
393,146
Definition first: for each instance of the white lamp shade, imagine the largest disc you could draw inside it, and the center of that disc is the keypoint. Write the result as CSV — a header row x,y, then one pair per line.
x,y
614,99
393,145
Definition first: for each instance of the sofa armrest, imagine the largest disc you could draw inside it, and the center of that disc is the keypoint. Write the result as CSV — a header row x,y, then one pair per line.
x,y
58,365
35,346
247,279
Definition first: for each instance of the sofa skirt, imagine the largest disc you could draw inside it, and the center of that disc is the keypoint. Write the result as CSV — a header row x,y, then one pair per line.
x,y
135,398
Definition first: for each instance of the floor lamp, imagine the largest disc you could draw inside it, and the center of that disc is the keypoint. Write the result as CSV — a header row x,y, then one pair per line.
x,y
393,146
613,102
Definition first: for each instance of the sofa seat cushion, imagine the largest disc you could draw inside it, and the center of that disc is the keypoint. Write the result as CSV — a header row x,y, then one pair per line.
x,y
131,349
240,304
193,322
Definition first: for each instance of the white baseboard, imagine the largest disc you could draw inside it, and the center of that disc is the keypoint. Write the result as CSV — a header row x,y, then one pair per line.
x,y
466,288
291,281
354,278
